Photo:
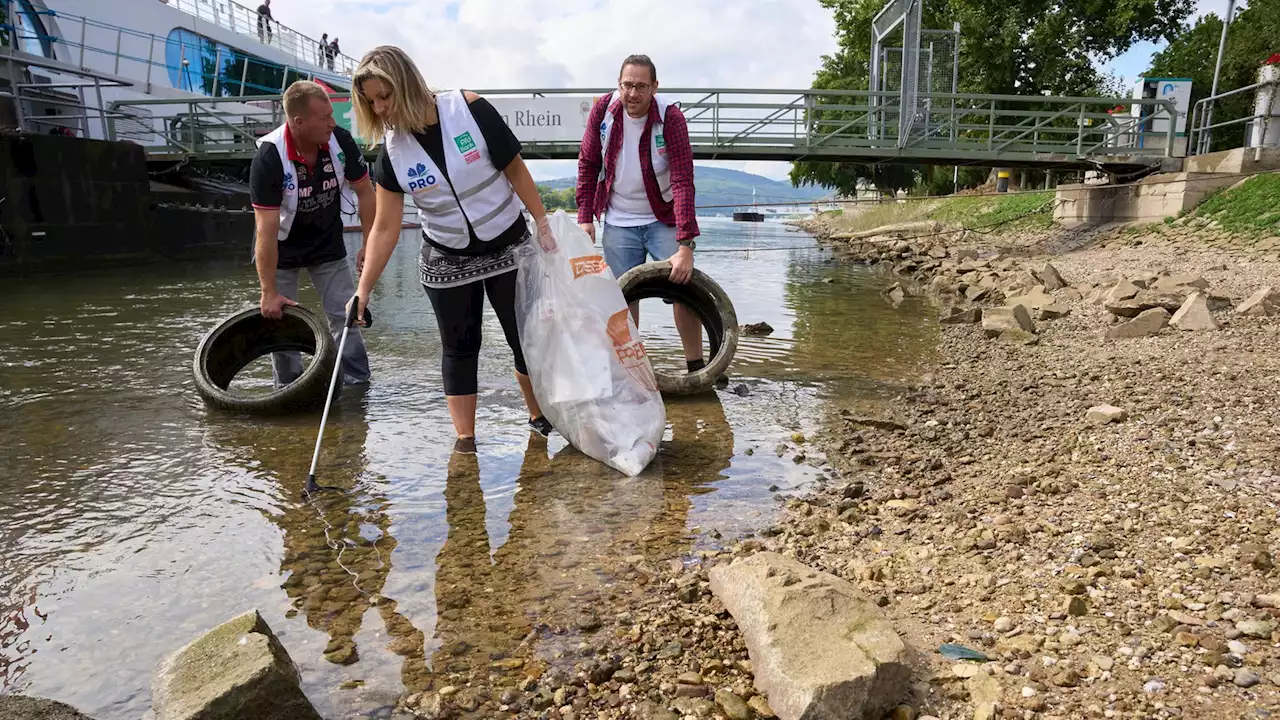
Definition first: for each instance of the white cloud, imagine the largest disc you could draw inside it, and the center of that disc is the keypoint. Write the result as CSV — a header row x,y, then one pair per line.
x,y
514,44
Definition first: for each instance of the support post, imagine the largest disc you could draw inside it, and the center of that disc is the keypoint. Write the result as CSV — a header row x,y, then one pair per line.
x,y
1217,70
102,110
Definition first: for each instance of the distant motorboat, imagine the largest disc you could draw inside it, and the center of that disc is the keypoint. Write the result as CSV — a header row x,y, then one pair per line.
x,y
752,215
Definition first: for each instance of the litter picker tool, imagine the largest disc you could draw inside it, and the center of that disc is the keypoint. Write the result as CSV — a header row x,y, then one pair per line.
x,y
312,486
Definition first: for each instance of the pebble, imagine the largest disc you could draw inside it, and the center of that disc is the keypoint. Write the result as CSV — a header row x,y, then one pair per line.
x,y
1002,624
1246,678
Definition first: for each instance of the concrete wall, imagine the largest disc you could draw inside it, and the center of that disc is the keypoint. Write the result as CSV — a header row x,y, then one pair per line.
x,y
1164,194
1240,160
71,203
1151,200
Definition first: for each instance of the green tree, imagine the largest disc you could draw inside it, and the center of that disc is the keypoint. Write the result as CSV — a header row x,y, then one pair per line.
x,y
565,199
1252,37
1023,47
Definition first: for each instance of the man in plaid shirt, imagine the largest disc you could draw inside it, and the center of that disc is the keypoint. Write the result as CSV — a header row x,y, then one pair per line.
x,y
635,171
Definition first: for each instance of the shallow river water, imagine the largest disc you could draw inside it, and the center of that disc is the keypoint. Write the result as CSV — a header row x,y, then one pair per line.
x,y
132,518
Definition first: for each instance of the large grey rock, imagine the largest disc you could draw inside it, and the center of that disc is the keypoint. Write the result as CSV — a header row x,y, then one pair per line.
x,y
236,670
1033,299
1194,314
1122,290
1051,278
962,316
1173,282
1170,300
25,707
1148,323
819,649
1012,317
1265,302
1105,413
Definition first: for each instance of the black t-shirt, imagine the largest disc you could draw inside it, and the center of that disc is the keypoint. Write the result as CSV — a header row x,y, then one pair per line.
x,y
503,147
316,234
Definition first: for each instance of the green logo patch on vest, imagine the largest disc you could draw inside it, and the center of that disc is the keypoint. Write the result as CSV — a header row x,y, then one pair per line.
x,y
662,142
464,142
342,157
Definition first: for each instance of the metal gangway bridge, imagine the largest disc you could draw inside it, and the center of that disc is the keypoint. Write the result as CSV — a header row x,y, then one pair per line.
x,y
766,124
896,120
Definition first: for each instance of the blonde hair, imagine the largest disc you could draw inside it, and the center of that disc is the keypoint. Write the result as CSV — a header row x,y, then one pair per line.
x,y
411,99
298,97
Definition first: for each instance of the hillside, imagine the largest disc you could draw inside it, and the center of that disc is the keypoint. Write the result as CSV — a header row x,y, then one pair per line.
x,y
720,186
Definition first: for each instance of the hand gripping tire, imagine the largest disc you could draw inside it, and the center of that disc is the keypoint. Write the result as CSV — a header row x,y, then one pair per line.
x,y
708,301
247,336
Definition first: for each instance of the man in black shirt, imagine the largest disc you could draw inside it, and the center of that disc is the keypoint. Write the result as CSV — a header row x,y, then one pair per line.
x,y
264,22
296,186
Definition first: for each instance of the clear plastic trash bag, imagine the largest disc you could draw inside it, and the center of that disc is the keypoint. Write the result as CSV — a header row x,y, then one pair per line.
x,y
586,362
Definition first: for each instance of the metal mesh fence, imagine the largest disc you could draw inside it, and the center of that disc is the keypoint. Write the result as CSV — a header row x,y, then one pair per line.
x,y
935,73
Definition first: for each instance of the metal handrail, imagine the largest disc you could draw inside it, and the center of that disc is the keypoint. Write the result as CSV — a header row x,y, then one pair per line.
x,y
69,23
817,123
1201,140
231,15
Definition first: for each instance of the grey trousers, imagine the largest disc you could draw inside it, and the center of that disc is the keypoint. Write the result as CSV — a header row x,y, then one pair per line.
x,y
334,283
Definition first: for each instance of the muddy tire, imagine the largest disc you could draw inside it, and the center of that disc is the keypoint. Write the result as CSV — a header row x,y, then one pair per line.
x,y
247,336
708,301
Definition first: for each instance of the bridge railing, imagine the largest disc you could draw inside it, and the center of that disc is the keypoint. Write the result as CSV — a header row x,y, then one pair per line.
x,y
1254,126
789,125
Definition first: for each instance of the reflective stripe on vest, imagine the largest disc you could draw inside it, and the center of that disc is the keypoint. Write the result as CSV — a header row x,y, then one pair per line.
x,y
289,184
475,190
657,142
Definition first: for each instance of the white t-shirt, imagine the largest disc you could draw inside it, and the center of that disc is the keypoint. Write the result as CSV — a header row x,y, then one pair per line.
x,y
629,203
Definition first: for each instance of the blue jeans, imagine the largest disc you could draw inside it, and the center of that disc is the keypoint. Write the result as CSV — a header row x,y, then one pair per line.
x,y
333,281
626,247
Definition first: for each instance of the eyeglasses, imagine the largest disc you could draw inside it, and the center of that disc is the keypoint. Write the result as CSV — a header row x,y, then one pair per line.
x,y
640,88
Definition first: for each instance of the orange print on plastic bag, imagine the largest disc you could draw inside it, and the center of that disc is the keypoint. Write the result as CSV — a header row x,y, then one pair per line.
x,y
587,265
630,351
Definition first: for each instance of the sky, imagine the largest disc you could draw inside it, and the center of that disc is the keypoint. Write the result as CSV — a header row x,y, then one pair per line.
x,y
507,44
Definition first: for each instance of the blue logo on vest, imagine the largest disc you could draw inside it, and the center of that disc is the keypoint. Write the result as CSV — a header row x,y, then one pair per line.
x,y
288,181
420,178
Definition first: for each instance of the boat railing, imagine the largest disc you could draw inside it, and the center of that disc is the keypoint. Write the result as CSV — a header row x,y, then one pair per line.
x,y
65,107
134,54
240,19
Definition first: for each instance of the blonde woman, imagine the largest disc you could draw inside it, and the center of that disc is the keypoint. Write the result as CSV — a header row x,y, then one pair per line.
x,y
453,153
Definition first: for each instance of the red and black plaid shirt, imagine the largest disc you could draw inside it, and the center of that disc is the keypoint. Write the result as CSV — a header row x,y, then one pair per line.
x,y
594,189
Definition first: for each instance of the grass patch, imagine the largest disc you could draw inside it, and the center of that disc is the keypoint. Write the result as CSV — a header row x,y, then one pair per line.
x,y
1251,208
868,217
1016,210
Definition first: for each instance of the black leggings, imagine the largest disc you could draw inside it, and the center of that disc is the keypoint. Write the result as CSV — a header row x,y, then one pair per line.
x,y
459,313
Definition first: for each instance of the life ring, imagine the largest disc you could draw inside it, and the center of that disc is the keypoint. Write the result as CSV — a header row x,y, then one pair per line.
x,y
708,301
247,336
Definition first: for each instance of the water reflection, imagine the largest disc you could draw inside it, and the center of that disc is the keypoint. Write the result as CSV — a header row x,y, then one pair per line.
x,y
576,530
336,545
132,518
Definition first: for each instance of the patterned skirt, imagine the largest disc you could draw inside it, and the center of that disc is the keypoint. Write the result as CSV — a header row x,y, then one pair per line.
x,y
440,270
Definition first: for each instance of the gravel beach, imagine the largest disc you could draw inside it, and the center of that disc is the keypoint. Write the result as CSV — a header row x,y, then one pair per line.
x,y
1095,516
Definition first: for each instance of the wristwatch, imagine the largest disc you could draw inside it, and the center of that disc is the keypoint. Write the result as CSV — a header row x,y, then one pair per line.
x,y
689,244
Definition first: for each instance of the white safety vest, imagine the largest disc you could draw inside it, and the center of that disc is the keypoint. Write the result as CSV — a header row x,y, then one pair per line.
x,y
657,143
475,190
289,203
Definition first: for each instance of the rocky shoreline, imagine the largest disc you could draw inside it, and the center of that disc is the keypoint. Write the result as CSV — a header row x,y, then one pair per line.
x,y
1072,516
1083,489
1092,513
